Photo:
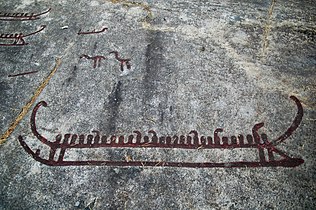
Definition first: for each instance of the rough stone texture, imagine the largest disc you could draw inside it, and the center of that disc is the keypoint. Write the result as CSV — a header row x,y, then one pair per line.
x,y
195,66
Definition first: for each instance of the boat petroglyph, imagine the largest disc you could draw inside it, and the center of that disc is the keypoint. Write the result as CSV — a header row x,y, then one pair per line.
x,y
5,16
17,39
266,149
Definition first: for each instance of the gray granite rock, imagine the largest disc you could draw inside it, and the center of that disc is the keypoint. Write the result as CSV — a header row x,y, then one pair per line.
x,y
193,66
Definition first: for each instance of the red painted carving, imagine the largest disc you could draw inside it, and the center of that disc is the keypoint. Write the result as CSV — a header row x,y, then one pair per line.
x,y
91,32
18,38
192,140
21,74
122,61
21,16
96,59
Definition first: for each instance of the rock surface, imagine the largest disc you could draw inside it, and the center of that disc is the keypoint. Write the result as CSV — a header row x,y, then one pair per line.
x,y
188,66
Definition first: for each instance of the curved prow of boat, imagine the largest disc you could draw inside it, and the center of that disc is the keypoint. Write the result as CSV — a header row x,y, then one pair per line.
x,y
269,155
296,122
35,32
45,12
33,124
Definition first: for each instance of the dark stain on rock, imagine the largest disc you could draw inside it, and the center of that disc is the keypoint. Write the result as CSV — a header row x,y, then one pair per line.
x,y
72,77
95,46
4,93
114,101
154,60
118,179
161,113
157,77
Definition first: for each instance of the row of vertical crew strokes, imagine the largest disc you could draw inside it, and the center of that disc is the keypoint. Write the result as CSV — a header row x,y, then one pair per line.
x,y
189,141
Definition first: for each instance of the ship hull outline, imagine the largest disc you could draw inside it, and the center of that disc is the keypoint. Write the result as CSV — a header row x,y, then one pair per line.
x,y
266,149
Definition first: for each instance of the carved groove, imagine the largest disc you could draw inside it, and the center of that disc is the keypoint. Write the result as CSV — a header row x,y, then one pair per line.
x,y
191,140
91,32
97,60
18,38
21,16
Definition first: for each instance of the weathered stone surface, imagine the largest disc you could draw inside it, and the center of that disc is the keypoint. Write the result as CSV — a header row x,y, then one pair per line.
x,y
194,66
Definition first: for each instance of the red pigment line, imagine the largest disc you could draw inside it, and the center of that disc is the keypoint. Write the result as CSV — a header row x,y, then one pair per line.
x,y
21,74
288,162
18,37
21,16
96,59
122,60
35,32
91,32
14,45
297,121
28,105
192,140
187,141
